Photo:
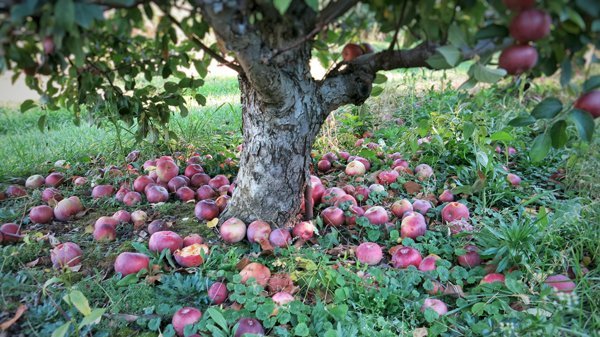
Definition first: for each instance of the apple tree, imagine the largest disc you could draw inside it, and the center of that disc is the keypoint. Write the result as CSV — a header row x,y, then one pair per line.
x,y
101,56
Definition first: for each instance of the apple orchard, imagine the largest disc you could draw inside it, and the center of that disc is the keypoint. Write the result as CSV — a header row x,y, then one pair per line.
x,y
99,58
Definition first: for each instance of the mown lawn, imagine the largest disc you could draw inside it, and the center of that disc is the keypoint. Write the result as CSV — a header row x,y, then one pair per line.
x,y
547,225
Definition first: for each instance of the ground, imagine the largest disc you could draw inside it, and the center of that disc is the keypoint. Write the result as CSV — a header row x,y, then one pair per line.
x,y
547,225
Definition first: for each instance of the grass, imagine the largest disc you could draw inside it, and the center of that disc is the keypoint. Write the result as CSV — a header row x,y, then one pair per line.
x,y
540,228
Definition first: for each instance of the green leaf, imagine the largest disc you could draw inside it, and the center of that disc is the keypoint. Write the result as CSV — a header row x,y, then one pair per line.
x,y
541,147
127,280
491,31
591,83
558,132
314,4
380,79
437,61
27,105
430,315
451,54
575,17
548,108
584,123
301,330
86,13
64,14
62,330
26,8
376,91
502,136
77,299
468,129
216,316
93,318
477,308
523,120
487,75
456,36
282,5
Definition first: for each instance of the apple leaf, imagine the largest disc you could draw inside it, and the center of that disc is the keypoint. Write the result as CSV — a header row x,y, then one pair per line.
x,y
437,61
487,75
93,318
541,147
380,79
376,91
502,136
548,108
491,31
314,4
558,132
450,53
591,83
584,123
523,120
62,330
282,5
27,105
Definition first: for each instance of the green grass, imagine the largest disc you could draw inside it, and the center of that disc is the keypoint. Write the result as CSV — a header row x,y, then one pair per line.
x,y
540,228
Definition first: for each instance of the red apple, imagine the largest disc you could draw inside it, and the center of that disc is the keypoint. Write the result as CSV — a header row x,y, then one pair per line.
x,y
15,191
331,195
387,177
400,207
41,214
51,193
184,317
206,210
66,209
35,181
282,298
345,200
218,181
317,192
233,230
376,188
377,215
455,211
257,271
355,168
139,218
344,155
158,225
446,196
122,216
258,231
324,165
513,179
364,161
354,212
428,263
561,283
530,25
437,306
367,48
471,258
166,169
205,192
222,201
106,220
248,326
217,293
199,179
423,171
66,254
132,198
304,230
333,216
280,237
104,232
413,225
191,239
351,51
102,191
493,277
191,256
400,163
193,169
131,263
186,194
518,59
122,192
54,179
140,183
406,256
369,253
175,183
421,206
156,194
165,239
11,232
589,102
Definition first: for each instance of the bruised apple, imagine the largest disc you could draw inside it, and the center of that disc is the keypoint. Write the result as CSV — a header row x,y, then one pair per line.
x,y
304,230
233,230
165,239
258,231
257,271
184,317
369,253
66,254
218,293
191,256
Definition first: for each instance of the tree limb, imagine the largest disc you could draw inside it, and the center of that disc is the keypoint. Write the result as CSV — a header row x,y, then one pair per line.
x,y
328,15
204,47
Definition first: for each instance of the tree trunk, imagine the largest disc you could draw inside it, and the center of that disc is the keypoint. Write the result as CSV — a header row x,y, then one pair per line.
x,y
275,160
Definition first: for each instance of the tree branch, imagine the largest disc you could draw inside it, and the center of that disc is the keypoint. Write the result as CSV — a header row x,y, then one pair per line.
x,y
328,15
204,47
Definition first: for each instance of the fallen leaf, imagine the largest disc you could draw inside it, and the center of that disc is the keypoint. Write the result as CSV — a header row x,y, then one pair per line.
x,y
20,310
243,262
32,263
420,332
212,223
412,188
